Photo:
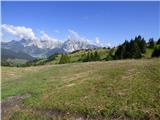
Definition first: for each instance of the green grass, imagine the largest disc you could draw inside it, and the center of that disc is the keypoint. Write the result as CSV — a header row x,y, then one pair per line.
x,y
26,116
75,57
148,53
126,88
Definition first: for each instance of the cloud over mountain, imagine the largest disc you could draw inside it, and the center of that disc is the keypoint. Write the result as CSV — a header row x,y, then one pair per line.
x,y
44,44
75,36
23,32
45,36
19,31
40,45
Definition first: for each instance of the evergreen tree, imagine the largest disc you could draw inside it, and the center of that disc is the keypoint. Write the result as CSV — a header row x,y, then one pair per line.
x,y
151,43
126,49
52,57
88,57
135,50
96,56
158,42
142,45
156,51
110,55
83,58
91,57
64,59
67,59
119,52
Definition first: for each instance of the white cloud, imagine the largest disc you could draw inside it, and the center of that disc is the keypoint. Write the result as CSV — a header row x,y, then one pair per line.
x,y
1,34
75,36
24,32
19,31
27,33
45,36
97,40
101,44
108,44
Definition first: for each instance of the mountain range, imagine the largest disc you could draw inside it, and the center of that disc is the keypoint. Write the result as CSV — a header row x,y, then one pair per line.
x,y
8,54
44,48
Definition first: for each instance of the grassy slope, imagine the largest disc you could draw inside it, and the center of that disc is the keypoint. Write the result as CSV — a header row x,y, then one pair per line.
x,y
116,88
74,57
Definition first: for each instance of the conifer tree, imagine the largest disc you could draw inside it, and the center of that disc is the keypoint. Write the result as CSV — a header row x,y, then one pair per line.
x,y
156,51
151,43
158,42
96,56
64,59
135,50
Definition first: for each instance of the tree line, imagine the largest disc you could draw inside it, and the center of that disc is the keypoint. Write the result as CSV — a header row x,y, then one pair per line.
x,y
135,48
131,49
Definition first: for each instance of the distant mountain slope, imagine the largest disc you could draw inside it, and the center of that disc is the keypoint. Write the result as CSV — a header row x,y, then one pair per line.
x,y
44,48
9,54
54,51
24,46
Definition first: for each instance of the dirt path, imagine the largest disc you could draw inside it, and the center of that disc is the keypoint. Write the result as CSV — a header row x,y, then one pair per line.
x,y
14,104
11,105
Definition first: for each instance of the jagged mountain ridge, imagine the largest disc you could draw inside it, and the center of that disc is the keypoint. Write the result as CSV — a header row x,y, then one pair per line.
x,y
44,48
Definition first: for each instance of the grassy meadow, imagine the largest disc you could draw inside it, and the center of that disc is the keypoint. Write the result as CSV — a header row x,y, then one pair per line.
x,y
119,89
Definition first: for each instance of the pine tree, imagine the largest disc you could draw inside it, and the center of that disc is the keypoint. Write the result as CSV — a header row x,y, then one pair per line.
x,y
156,51
96,56
64,59
88,57
67,59
91,57
151,43
126,49
142,45
158,42
119,52
135,50
110,55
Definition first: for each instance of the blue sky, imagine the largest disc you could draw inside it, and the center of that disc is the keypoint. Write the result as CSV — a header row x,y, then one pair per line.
x,y
111,22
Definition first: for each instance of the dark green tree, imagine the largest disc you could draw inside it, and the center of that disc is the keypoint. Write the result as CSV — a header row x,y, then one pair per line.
x,y
92,58
126,50
158,42
135,50
119,52
64,59
96,56
156,51
52,57
151,43
88,58
141,43
110,55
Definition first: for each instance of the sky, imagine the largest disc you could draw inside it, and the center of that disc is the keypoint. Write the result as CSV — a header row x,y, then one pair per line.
x,y
101,22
